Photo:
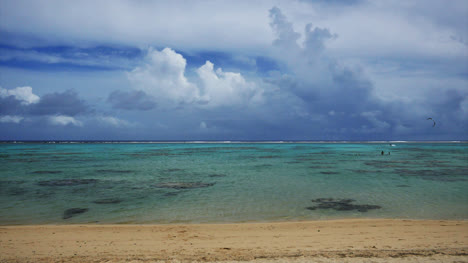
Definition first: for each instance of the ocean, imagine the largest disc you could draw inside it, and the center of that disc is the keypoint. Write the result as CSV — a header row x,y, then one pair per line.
x,y
200,182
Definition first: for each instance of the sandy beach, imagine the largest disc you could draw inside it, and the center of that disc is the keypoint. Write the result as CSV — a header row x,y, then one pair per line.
x,y
351,240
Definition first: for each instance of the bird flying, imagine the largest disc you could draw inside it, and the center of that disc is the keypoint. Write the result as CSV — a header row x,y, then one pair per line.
x,y
433,121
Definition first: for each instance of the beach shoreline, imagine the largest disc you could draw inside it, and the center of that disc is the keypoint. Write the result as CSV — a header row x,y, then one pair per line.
x,y
303,241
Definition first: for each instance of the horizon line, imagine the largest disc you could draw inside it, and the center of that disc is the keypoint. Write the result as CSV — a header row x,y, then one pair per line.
x,y
231,141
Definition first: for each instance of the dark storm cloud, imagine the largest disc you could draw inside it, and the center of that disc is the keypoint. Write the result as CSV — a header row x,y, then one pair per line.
x,y
450,108
316,38
323,83
131,100
351,89
10,105
338,99
285,34
60,103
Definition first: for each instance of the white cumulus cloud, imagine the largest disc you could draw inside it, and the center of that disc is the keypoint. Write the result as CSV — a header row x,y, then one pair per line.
x,y
163,77
10,119
226,88
203,125
64,120
23,94
113,121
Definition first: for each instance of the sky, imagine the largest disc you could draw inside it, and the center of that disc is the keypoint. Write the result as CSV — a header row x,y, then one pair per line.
x,y
234,70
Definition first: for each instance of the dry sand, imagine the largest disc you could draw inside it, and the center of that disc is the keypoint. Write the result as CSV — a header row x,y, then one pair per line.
x,y
354,240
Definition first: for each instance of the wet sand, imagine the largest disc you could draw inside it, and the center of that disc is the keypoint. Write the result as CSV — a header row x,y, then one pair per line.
x,y
350,240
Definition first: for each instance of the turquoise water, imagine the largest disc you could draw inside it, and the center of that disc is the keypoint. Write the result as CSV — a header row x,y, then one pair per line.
x,y
230,182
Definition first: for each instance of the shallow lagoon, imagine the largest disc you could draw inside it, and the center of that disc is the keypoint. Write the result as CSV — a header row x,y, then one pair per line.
x,y
230,182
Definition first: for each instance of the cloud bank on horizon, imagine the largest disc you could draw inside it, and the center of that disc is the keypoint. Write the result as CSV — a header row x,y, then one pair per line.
x,y
224,70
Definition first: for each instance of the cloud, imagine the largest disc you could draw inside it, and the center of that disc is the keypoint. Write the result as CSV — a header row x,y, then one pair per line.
x,y
113,121
384,28
131,100
334,3
464,107
373,118
286,37
392,29
362,70
164,23
226,88
60,103
341,98
203,125
323,82
22,94
163,78
70,57
63,120
315,38
59,108
17,101
10,105
10,119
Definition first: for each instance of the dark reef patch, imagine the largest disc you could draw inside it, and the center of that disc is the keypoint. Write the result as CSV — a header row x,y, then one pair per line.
x,y
341,205
108,201
73,211
435,150
318,158
80,190
293,162
150,153
25,160
44,194
268,157
26,154
435,163
319,167
47,172
388,164
443,175
114,171
13,182
217,175
16,191
183,185
67,182
171,170
269,150
264,165
329,172
305,159
169,194
362,171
